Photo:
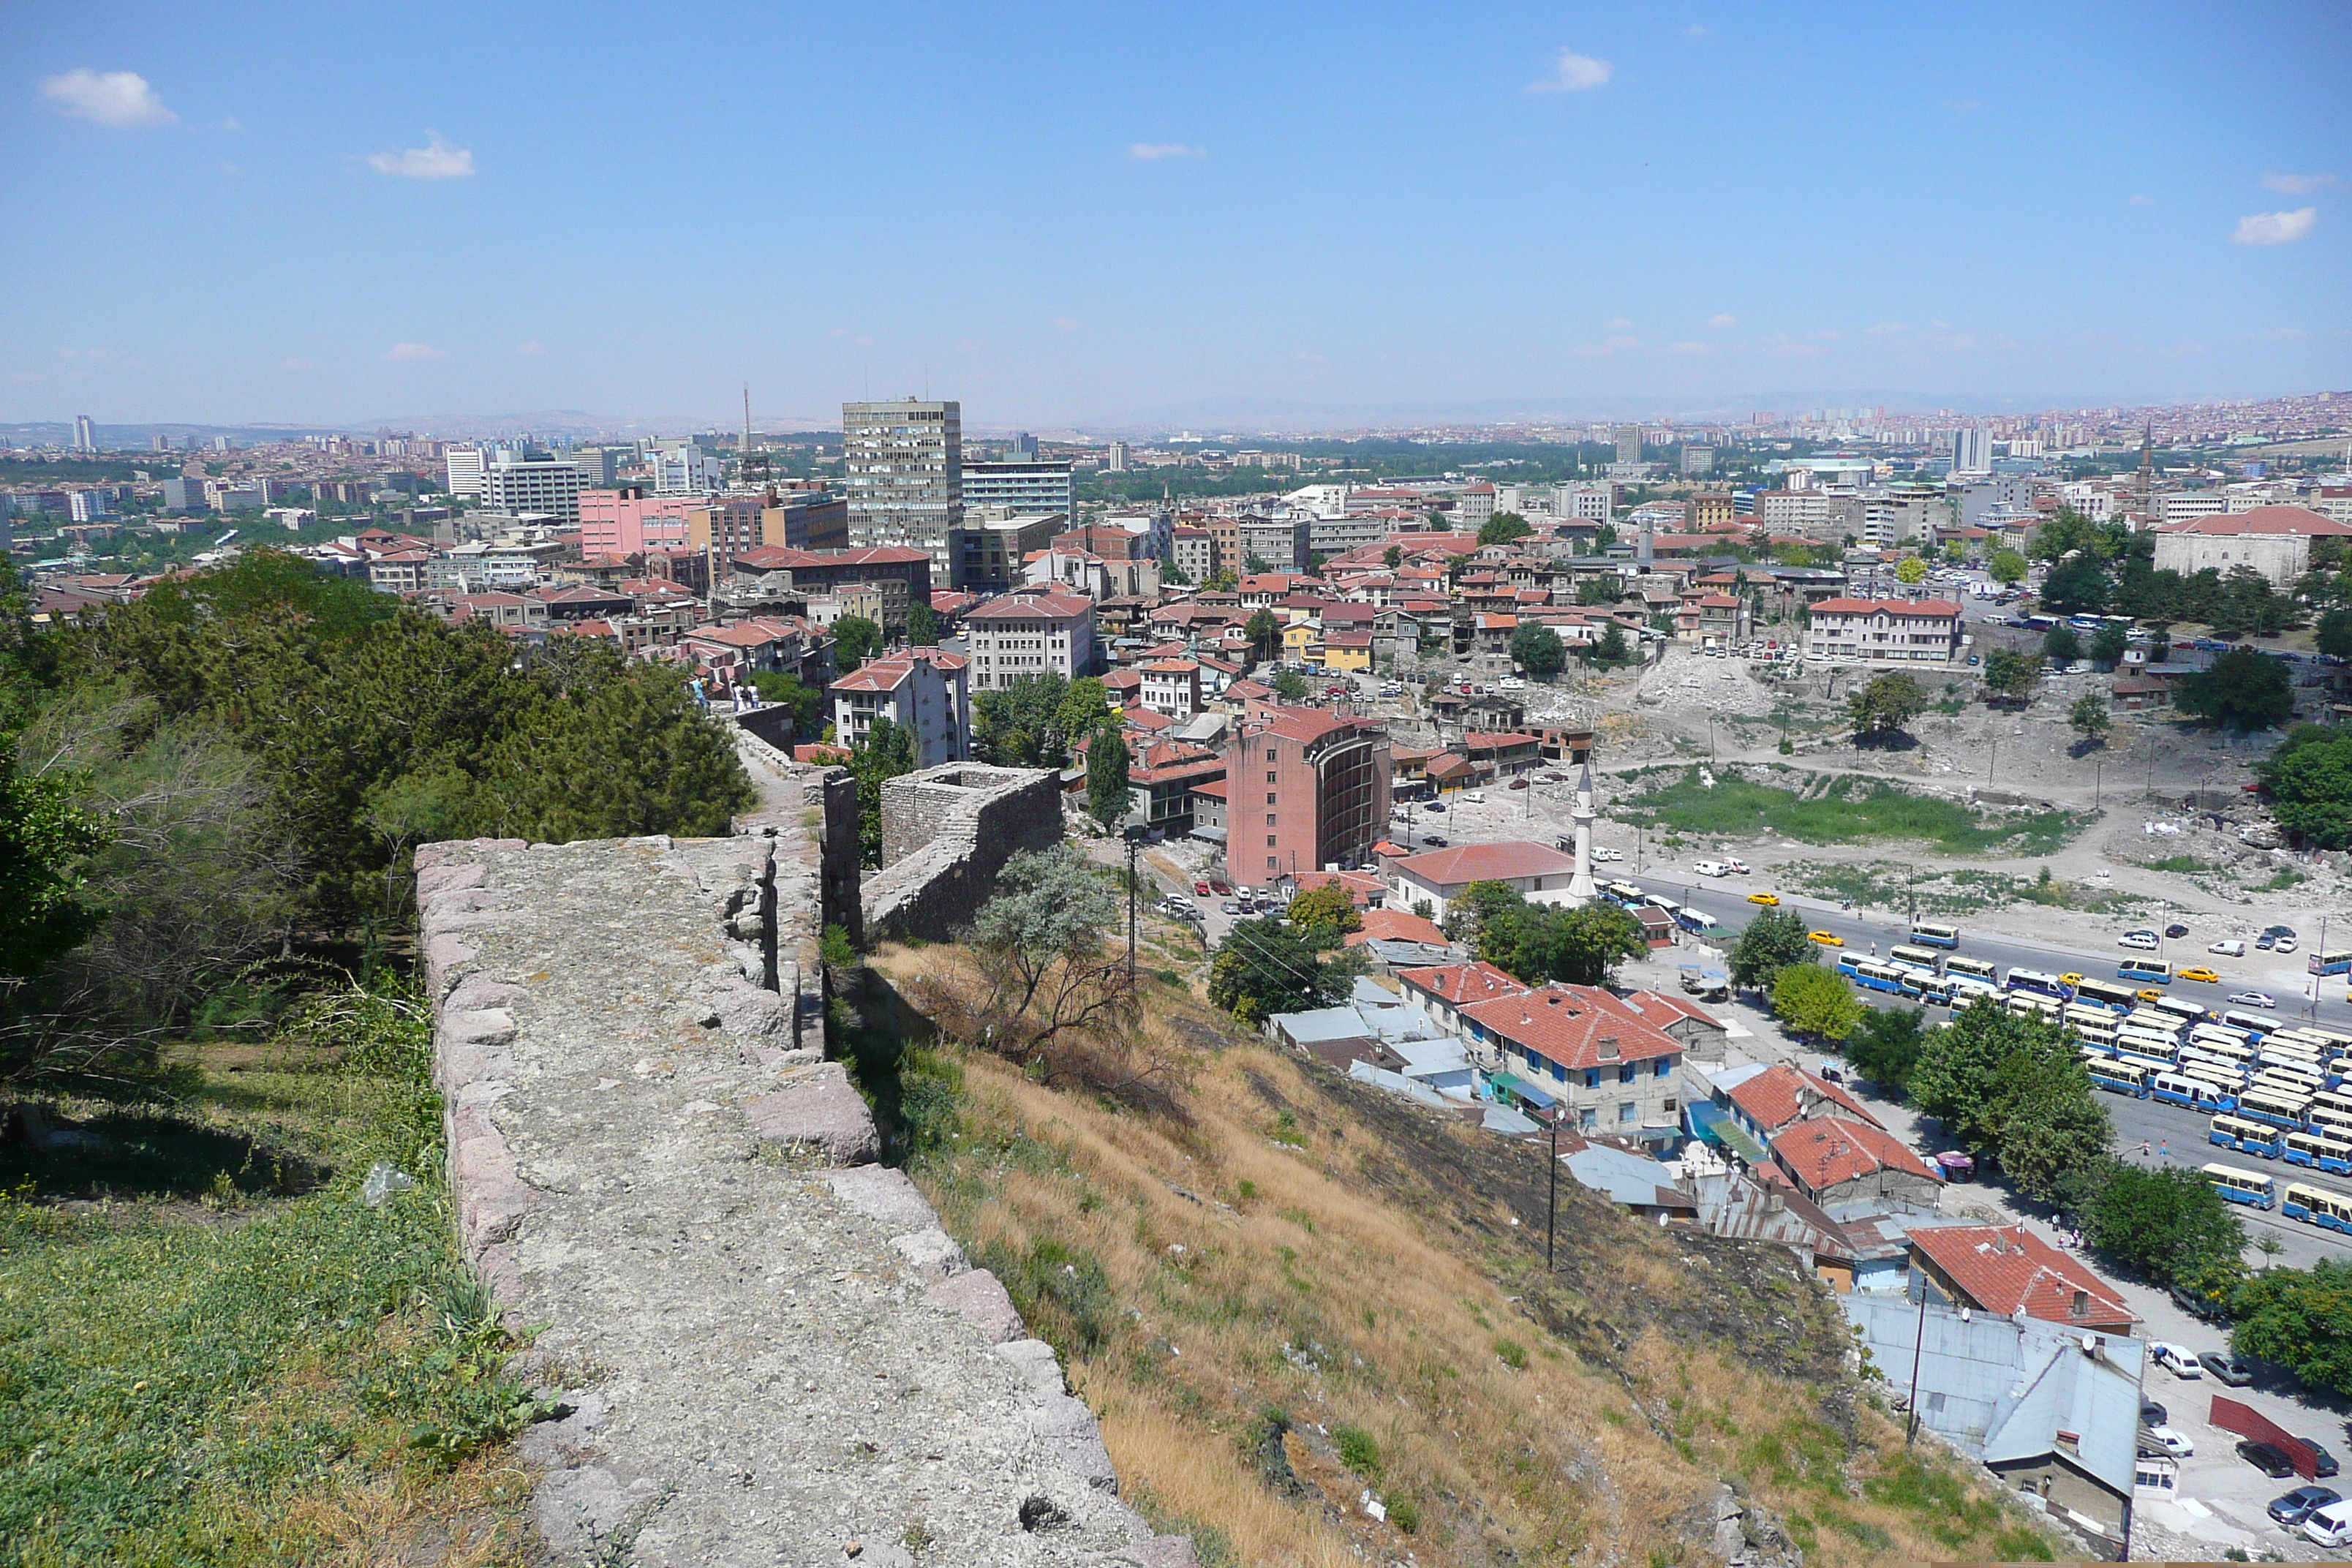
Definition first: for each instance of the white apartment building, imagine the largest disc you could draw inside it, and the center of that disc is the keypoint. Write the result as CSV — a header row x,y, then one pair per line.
x,y
1027,635
902,472
1884,631
1191,551
919,690
1171,687
1801,510
89,506
519,484
2180,504
683,468
2089,497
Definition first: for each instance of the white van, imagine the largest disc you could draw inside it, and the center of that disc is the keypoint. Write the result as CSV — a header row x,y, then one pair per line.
x,y
2179,1358
2330,1526
1710,867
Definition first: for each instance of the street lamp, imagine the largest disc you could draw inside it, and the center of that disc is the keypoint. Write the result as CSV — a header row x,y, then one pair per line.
x,y
1134,835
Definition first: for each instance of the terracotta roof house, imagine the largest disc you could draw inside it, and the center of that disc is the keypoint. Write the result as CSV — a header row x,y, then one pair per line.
x,y
1832,1161
2006,1269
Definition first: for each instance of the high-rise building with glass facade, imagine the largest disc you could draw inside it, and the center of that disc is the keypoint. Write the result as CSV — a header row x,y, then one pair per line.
x,y
902,470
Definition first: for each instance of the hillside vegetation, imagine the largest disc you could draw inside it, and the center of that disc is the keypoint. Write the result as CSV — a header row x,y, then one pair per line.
x,y
1288,1295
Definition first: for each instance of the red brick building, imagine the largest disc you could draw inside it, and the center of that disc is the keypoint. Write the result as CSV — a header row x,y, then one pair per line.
x,y
1309,791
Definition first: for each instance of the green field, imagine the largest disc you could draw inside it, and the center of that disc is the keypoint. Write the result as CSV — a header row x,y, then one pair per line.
x,y
1853,810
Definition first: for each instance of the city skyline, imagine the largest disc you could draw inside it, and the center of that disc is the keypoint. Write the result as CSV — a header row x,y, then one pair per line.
x,y
1296,219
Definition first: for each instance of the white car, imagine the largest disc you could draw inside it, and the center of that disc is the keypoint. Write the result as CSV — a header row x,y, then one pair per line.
x,y
1601,854
2143,940
2330,1526
1512,683
2233,948
2253,998
2173,1443
2283,945
2180,1358
1710,867
1475,797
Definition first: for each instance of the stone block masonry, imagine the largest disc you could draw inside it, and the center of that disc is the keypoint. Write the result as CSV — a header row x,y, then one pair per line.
x,y
946,832
770,1352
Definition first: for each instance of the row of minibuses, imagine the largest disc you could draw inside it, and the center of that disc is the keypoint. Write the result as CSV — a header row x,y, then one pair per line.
x,y
2329,1150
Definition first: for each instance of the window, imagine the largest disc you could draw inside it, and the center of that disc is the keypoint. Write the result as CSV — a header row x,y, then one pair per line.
x,y
1269,777
1270,822
1666,1064
1592,1078
1587,1118
1269,800
1627,1111
1625,1073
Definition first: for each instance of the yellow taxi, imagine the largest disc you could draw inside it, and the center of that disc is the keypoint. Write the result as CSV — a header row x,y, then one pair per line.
x,y
1826,938
2200,973
1763,898
2070,978
2151,995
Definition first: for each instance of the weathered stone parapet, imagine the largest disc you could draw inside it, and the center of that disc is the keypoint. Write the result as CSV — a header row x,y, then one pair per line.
x,y
769,1349
946,832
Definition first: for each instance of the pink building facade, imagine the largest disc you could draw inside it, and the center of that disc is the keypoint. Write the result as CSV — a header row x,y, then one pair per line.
x,y
625,520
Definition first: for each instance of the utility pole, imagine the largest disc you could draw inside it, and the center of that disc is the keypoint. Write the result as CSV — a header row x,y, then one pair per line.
x,y
1134,847
1992,751
1551,1199
2098,767
2318,967
1918,1343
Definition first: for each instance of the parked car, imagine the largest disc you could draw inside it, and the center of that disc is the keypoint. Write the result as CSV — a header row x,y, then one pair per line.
x,y
2267,1458
2233,948
1518,784
1435,805
2278,931
2175,931
1764,897
2210,1311
2292,1509
1601,854
2143,940
2326,1465
1202,888
2226,1367
2197,973
2179,1359
1229,907
1710,867
2253,998
1435,840
2283,945
2330,1525
2151,1413
2266,942
2166,1440
1738,867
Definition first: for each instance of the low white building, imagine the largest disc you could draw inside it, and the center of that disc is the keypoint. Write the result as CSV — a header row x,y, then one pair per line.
x,y
1536,872
1170,686
1884,631
1025,635
922,690
2274,540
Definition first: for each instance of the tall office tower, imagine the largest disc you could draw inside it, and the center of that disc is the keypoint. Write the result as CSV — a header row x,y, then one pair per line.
x,y
600,467
465,464
159,442
1118,457
1629,443
532,484
1971,452
85,435
902,466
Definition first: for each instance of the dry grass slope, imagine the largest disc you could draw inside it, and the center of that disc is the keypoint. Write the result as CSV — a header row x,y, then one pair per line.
x,y
1304,1291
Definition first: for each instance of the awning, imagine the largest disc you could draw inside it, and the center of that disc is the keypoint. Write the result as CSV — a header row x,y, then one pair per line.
x,y
1709,1125
1214,835
1520,1089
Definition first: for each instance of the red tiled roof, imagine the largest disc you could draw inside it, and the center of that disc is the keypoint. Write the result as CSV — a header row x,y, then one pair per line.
x,y
1487,862
2260,520
1019,607
2005,1268
1461,983
1821,1154
1396,925
1914,607
778,557
1213,788
1304,725
1781,1094
1487,741
1577,1026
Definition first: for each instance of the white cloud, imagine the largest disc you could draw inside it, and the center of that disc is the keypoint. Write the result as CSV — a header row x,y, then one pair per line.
x,y
2143,201
120,99
532,347
1686,348
1065,323
436,160
414,352
1697,30
2301,184
1888,329
231,124
1722,321
1573,72
1616,324
2275,228
1149,151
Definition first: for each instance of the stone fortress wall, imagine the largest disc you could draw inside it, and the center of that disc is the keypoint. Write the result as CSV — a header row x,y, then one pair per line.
x,y
769,1352
946,832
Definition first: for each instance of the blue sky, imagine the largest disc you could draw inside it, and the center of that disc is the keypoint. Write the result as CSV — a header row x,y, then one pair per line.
x,y
1097,215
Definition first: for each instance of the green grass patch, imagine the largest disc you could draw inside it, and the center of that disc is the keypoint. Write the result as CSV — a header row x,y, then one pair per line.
x,y
1852,810
2185,865
205,1379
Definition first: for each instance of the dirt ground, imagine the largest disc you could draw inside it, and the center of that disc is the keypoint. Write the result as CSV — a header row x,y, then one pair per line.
x,y
1693,709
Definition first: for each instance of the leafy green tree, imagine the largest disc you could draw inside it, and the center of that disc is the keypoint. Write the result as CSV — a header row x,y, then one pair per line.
x,y
1107,760
2006,566
1325,915
1044,969
1887,1046
44,838
2302,1320
1880,708
2068,531
2332,636
1537,648
1911,569
2060,646
1289,685
1536,942
922,627
1263,967
2108,644
2010,676
2242,690
1264,630
1392,557
2015,1089
1036,723
2309,776
2089,717
2161,1222
1504,527
1814,1003
887,751
1774,939
2078,585
1600,588
856,640
788,691
1611,649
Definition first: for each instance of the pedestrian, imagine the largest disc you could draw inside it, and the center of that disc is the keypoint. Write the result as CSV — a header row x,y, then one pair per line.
x,y
2143,1148
2164,1149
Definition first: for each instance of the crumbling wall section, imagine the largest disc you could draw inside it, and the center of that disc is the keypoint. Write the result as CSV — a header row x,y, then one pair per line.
x,y
769,1350
946,832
